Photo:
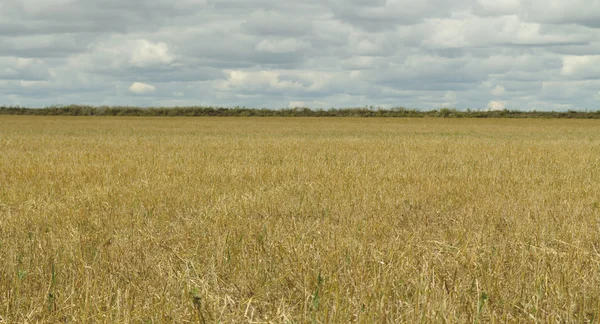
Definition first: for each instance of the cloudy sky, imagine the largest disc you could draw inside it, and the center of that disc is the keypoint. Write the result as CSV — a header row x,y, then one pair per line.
x,y
478,54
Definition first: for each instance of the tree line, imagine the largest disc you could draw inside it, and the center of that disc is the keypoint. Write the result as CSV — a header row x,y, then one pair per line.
x,y
81,110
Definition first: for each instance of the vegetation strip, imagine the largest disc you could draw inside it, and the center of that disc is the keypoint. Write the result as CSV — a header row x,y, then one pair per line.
x,y
78,110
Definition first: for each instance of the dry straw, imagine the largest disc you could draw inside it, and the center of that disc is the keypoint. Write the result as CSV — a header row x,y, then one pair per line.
x,y
129,220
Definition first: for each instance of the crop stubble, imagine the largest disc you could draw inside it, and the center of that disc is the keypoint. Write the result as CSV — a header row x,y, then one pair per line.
x,y
299,219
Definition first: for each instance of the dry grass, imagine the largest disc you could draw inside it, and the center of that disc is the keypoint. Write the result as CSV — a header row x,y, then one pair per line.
x,y
299,220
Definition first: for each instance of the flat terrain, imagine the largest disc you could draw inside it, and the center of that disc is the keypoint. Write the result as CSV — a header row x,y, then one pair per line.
x,y
299,220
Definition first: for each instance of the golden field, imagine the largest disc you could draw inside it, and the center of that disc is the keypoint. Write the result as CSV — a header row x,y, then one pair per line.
x,y
331,220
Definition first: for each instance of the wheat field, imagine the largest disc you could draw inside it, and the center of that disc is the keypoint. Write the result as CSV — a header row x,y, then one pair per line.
x,y
296,220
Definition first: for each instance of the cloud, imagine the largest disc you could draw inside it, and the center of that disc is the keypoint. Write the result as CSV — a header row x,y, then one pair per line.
x,y
473,31
296,104
585,65
268,53
386,15
32,84
141,88
582,12
496,8
287,45
449,99
27,69
498,90
146,53
496,105
118,52
273,81
275,23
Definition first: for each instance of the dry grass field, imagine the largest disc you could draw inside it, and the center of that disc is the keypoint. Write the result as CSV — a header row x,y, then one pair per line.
x,y
331,220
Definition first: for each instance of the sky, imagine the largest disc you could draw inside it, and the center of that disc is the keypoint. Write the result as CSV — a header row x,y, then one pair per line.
x,y
429,54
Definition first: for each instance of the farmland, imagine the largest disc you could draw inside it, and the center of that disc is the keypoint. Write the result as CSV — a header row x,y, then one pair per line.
x,y
132,219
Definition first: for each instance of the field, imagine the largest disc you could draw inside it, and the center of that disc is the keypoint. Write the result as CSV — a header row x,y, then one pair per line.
x,y
324,220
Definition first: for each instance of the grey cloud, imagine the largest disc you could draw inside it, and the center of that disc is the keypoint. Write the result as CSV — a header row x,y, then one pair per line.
x,y
268,53
272,23
581,12
14,68
59,16
38,46
384,15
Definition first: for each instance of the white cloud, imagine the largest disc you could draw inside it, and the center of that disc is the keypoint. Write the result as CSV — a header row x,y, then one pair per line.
x,y
178,94
498,91
118,52
496,105
146,53
32,84
361,62
355,74
449,99
475,31
141,88
581,65
297,104
287,45
363,43
240,80
26,62
273,81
